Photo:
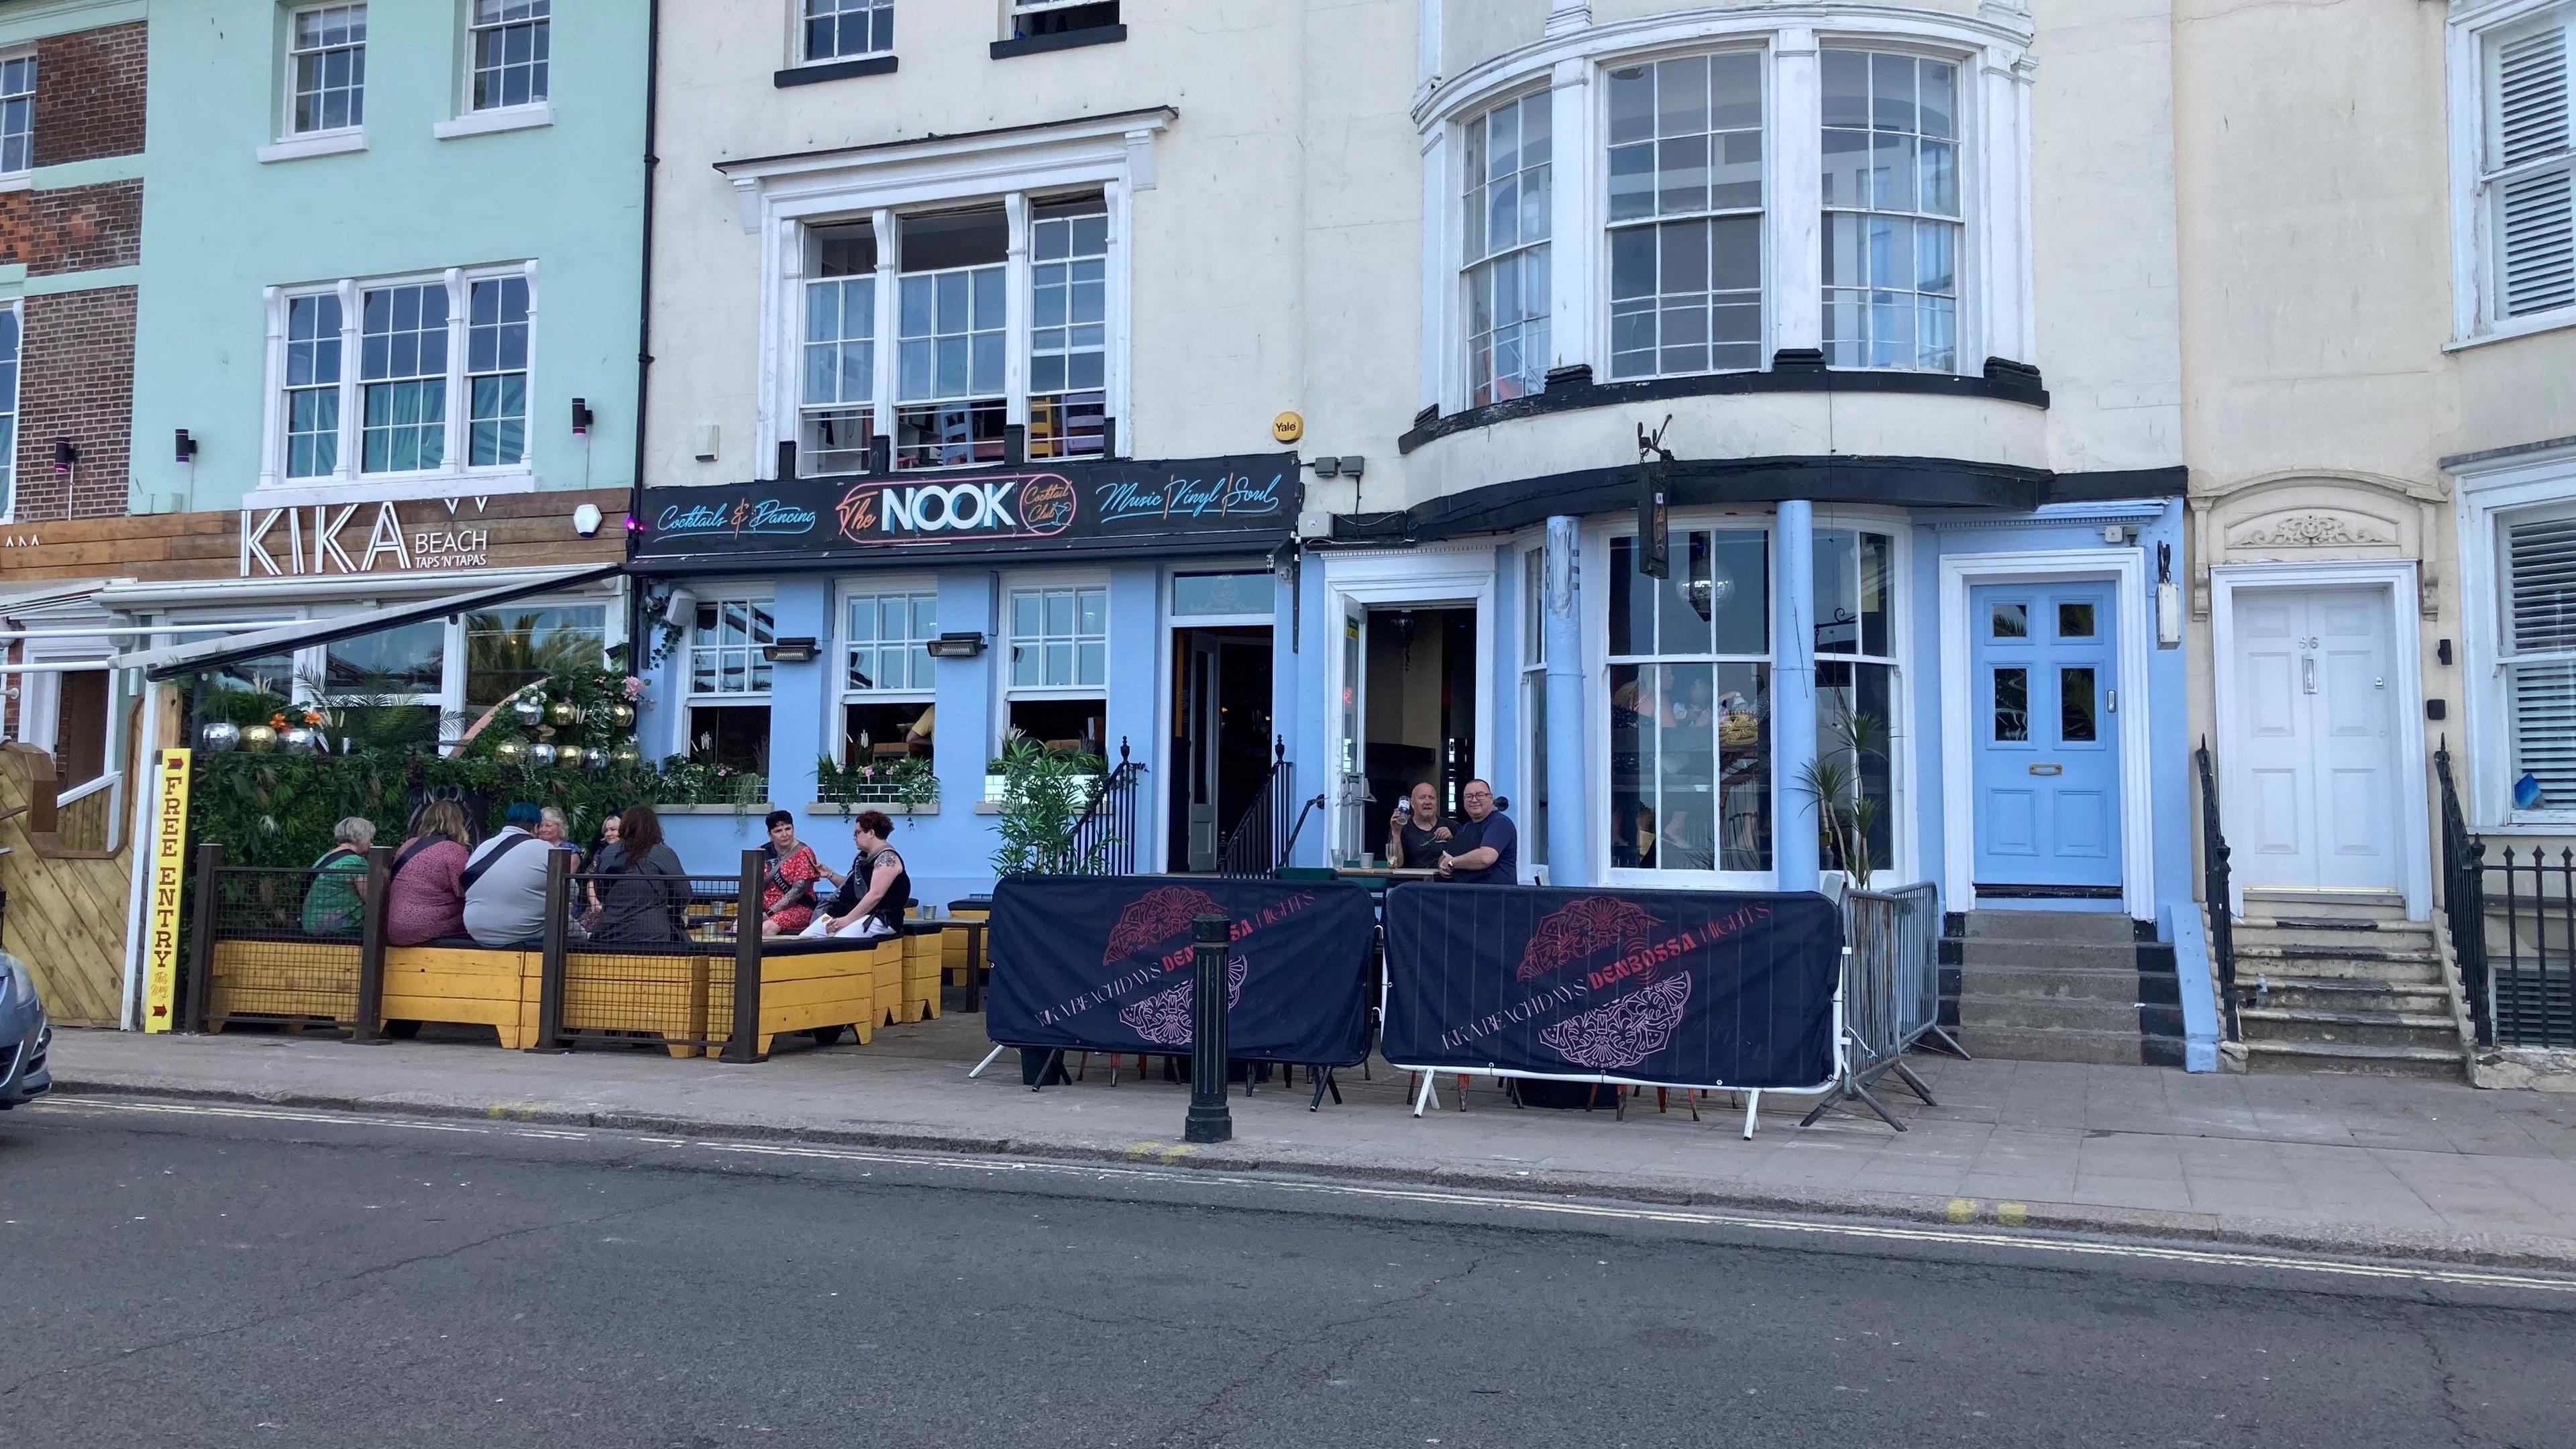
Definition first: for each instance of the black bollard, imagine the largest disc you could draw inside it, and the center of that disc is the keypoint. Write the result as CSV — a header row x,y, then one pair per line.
x,y
1211,1120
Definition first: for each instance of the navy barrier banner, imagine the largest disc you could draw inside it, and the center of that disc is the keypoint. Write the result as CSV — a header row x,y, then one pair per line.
x,y
1102,964
1665,988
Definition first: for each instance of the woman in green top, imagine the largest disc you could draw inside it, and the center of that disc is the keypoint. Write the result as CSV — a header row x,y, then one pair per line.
x,y
333,903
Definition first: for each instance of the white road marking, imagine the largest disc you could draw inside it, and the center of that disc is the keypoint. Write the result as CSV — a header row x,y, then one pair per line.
x,y
1492,1202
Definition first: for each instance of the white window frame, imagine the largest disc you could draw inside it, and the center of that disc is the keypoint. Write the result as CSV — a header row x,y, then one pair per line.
x,y
759,595
1007,637
1900,866
1915,216
780,199
9,442
1533,703
347,481
797,16
845,693
2489,498
541,90
1995,264
2473,284
35,78
287,130
1599,141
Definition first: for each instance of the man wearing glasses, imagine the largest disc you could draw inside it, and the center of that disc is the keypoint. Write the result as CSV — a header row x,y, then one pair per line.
x,y
1486,850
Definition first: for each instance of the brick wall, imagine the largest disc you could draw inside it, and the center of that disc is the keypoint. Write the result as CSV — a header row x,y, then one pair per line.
x,y
75,229
76,381
89,94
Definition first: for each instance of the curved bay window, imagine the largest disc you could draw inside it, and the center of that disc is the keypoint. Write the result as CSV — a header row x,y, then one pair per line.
x,y
1892,218
1690,705
1856,697
837,416
951,321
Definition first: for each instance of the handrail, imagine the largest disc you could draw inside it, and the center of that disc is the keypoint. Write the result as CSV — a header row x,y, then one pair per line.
x,y
1252,847
2464,906
1108,823
44,823
2217,891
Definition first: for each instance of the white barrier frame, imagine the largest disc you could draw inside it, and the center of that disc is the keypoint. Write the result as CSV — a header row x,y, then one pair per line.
x,y
1429,1093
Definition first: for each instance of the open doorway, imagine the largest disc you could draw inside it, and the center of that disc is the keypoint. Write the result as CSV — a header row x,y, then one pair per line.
x,y
1418,707
1221,732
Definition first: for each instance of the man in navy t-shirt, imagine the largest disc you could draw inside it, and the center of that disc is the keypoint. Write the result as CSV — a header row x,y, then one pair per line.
x,y
1486,850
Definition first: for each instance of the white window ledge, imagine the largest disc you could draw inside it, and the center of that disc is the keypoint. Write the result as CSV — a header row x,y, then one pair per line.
x,y
2518,327
18,181
500,118
320,143
394,488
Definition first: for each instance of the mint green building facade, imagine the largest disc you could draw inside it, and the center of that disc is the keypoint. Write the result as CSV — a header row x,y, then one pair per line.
x,y
391,244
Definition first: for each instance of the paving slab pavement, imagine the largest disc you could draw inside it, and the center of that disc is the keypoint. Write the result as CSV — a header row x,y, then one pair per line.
x,y
2348,1164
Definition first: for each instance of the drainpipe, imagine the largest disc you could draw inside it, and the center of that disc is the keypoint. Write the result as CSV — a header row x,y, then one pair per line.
x,y
636,643
1570,860
1793,695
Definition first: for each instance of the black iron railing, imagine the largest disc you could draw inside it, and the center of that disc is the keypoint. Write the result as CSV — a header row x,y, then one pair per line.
x,y
2464,897
2513,929
2216,890
1254,847
1104,839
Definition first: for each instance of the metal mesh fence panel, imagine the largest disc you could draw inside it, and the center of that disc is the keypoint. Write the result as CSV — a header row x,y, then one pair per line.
x,y
286,947
651,957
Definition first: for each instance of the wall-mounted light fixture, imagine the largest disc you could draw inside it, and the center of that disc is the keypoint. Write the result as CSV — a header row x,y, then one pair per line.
x,y
962,645
65,455
185,448
792,649
581,416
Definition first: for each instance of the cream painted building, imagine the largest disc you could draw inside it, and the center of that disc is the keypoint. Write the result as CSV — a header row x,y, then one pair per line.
x,y
2379,417
1204,383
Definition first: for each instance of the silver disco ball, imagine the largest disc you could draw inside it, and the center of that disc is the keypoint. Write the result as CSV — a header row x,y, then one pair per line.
x,y
302,741
530,709
541,755
219,737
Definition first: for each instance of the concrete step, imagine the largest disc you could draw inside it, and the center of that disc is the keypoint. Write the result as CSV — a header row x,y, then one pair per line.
x,y
2399,967
1979,978
2065,955
2100,927
2316,1027
2344,993
2335,935
2021,1044
2383,1061
2324,905
2048,1013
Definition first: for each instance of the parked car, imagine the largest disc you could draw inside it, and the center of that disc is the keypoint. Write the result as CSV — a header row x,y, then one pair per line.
x,y
24,1036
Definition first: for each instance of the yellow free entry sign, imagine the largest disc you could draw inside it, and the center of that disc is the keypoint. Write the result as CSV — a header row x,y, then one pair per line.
x,y
169,872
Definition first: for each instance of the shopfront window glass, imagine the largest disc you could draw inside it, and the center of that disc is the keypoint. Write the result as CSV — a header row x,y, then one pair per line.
x,y
508,649
1690,705
386,687
1856,696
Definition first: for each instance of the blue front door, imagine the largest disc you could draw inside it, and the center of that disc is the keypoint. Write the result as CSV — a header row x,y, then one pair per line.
x,y
2045,724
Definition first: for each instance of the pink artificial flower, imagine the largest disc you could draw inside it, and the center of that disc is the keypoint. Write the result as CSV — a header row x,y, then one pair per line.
x,y
634,688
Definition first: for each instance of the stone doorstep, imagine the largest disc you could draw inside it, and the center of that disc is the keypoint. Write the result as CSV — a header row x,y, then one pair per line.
x,y
2046,1044
2048,983
2384,1061
2048,1013
2107,928
2348,1028
2121,958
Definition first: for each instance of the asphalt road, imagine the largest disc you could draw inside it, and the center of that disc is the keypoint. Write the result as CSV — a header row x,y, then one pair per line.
x,y
190,1275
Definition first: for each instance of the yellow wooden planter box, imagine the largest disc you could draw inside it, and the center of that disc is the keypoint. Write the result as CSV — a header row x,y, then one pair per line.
x,y
804,991
466,985
665,995
294,980
921,972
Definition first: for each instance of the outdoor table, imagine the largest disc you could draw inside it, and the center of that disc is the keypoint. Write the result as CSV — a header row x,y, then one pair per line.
x,y
974,959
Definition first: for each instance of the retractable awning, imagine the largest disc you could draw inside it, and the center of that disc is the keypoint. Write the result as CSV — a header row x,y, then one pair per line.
x,y
174,660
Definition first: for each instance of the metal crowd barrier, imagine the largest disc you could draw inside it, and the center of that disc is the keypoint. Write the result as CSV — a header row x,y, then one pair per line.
x,y
1891,994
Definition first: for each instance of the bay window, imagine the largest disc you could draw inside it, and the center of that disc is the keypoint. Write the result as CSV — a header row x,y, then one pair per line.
x,y
1056,683
1685,210
1508,201
728,713
419,346
887,690
1763,190
933,295
1891,219
1690,705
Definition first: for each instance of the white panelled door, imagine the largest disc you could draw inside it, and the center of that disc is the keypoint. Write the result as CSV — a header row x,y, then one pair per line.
x,y
2312,801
